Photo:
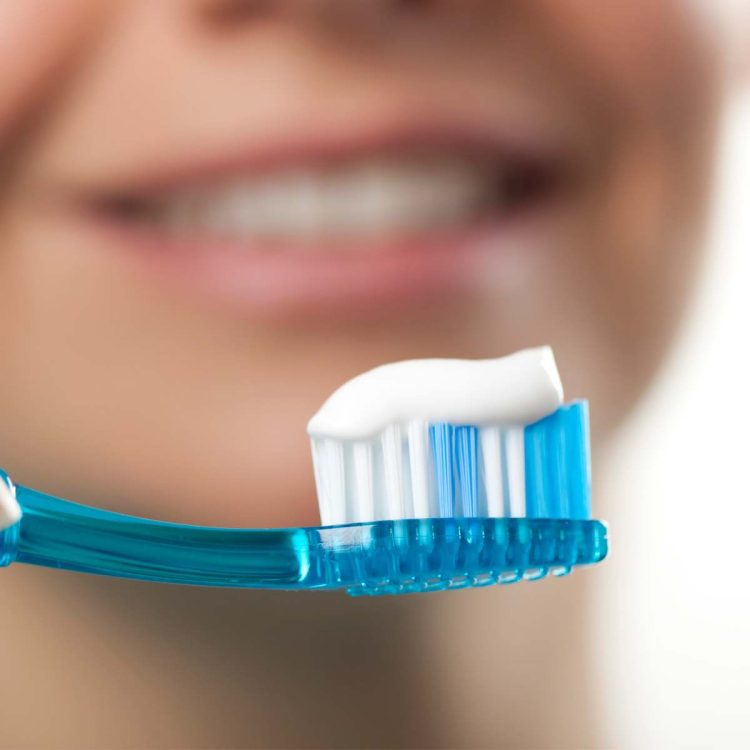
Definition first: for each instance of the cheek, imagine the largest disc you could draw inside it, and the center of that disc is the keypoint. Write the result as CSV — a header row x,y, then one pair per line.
x,y
644,238
39,41
652,83
633,49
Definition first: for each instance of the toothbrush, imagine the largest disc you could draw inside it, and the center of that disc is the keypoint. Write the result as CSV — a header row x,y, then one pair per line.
x,y
431,475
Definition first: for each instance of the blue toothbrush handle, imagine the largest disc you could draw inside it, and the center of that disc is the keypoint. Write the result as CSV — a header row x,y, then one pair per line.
x,y
61,534
380,557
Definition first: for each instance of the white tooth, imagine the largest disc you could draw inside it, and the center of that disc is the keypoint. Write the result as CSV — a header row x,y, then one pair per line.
x,y
267,203
216,213
379,196
391,196
354,202
230,207
250,211
179,215
303,209
376,198
335,205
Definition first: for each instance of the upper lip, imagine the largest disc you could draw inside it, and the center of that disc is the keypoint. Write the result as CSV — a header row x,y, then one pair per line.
x,y
337,144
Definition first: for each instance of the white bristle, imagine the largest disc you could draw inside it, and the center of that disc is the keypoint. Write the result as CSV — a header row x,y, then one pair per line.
x,y
491,442
363,470
430,438
330,478
419,468
516,471
393,476
393,457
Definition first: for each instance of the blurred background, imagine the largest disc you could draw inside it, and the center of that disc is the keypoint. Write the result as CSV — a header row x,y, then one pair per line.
x,y
674,611
214,212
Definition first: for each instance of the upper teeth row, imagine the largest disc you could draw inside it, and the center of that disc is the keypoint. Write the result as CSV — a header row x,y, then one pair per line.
x,y
376,197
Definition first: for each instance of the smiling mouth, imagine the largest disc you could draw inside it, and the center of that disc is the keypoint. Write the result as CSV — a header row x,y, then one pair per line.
x,y
359,230
374,201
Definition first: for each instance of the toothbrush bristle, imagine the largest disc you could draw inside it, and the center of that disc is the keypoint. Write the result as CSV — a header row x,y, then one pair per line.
x,y
423,470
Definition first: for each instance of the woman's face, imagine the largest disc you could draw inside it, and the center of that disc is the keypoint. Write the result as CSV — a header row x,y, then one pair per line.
x,y
213,213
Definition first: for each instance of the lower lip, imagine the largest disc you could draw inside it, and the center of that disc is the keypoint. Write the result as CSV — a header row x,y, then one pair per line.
x,y
360,279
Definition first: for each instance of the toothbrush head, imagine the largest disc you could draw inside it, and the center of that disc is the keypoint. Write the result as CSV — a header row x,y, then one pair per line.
x,y
453,438
485,479
436,554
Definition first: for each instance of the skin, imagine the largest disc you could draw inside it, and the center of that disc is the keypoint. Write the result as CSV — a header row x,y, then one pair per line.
x,y
118,392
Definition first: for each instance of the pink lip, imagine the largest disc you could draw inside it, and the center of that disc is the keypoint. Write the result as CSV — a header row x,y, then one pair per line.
x,y
340,142
278,281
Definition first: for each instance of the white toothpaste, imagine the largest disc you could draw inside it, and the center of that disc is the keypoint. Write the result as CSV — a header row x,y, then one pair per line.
x,y
515,390
10,511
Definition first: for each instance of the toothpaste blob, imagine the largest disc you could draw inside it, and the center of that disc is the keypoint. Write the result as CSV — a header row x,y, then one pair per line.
x,y
515,390
10,511
440,438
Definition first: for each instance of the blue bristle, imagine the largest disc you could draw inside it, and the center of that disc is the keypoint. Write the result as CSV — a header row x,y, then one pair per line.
x,y
441,438
558,481
536,470
556,466
466,468
577,459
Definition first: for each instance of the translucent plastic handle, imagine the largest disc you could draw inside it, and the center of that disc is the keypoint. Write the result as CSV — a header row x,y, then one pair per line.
x,y
370,558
